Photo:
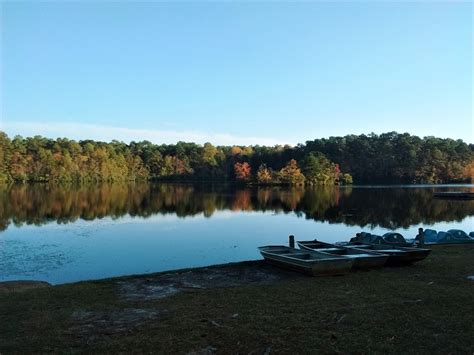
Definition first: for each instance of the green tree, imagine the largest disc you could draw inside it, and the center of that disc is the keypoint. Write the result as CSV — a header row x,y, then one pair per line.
x,y
318,170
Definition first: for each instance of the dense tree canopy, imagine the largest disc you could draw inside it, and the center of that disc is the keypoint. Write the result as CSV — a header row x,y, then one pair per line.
x,y
389,157
394,157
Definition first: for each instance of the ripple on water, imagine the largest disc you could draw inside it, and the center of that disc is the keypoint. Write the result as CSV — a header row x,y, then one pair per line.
x,y
18,259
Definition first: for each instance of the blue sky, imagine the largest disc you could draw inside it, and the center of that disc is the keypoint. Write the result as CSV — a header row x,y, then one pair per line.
x,y
236,72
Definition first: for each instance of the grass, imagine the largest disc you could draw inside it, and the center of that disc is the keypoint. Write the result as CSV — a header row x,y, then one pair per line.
x,y
425,308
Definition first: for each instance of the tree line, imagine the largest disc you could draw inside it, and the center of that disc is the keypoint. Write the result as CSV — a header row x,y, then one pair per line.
x,y
387,158
395,157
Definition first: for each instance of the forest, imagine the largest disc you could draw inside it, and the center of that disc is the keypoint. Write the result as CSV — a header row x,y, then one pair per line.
x,y
386,158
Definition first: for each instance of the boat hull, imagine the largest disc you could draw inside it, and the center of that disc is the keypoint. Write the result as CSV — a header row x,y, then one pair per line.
x,y
320,265
451,242
362,259
372,262
397,256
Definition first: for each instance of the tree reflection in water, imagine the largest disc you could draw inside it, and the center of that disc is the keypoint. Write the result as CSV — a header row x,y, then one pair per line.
x,y
385,207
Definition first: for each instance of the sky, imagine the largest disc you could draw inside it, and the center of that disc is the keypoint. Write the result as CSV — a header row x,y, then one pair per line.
x,y
236,72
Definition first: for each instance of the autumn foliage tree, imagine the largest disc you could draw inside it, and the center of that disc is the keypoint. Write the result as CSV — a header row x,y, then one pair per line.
x,y
291,174
264,175
469,172
242,171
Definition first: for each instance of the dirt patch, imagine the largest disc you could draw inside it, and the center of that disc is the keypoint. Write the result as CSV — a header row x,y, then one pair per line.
x,y
228,275
94,324
15,286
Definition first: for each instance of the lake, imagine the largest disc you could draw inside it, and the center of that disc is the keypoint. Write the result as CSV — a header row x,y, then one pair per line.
x,y
66,234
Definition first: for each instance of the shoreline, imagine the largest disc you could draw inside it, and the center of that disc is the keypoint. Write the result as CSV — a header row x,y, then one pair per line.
x,y
238,270
250,307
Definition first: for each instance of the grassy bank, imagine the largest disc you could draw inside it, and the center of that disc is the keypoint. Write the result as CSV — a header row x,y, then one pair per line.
x,y
252,308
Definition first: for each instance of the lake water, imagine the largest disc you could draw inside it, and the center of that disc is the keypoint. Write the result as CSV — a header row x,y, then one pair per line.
x,y
67,234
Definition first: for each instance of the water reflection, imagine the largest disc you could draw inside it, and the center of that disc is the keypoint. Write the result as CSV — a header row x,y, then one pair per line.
x,y
390,208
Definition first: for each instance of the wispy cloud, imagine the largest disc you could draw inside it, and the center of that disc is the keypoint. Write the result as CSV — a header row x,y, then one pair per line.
x,y
78,131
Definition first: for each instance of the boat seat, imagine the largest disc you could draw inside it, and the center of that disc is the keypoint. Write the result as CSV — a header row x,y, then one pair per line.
x,y
329,249
301,256
281,251
357,256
